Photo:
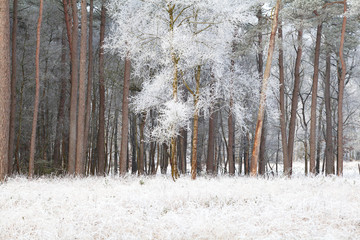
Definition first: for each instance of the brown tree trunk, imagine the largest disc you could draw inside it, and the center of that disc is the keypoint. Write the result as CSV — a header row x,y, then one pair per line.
x,y
142,145
90,78
294,102
13,89
340,142
196,126
80,148
262,156
37,92
314,101
61,113
125,117
260,118
73,91
211,142
5,87
284,144
329,139
101,133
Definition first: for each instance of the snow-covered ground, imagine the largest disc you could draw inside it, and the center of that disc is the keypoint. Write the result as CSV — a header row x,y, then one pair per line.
x,y
158,208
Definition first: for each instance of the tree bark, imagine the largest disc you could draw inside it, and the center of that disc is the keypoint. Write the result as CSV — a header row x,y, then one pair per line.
x,y
294,102
284,143
5,87
73,91
340,142
37,92
260,118
314,101
142,144
211,142
13,89
80,148
329,139
125,117
196,125
90,78
101,133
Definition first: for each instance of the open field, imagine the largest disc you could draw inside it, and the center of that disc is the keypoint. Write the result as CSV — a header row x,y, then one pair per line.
x,y
158,208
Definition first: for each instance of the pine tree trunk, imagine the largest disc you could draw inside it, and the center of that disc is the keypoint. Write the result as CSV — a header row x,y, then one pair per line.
x,y
13,89
294,102
211,142
196,126
5,88
329,138
142,144
260,118
284,143
73,91
80,148
340,142
37,93
125,117
314,101
90,78
101,133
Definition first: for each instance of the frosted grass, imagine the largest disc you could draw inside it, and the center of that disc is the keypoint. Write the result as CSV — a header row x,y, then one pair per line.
x,y
158,208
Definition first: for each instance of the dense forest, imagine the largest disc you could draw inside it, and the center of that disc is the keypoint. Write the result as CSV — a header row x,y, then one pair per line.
x,y
108,87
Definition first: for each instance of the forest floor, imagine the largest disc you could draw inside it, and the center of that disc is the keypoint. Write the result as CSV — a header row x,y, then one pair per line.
x,y
158,208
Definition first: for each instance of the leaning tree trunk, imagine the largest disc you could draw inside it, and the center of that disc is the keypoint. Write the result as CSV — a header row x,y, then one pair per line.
x,y
13,89
101,133
314,102
4,87
37,92
80,148
73,91
340,146
260,118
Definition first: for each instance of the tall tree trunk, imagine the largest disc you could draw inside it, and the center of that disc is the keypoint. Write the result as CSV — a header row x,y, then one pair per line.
x,y
13,89
80,148
294,101
37,92
211,142
262,153
73,91
314,101
61,111
196,125
340,142
125,117
284,144
260,118
318,151
101,134
90,78
142,144
329,139
5,87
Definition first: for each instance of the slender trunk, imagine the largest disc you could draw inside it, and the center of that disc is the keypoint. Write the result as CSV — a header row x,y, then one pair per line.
x,y
318,151
133,139
80,148
37,92
90,78
142,144
13,89
340,146
329,139
73,91
284,144
196,126
314,101
262,156
125,117
230,147
294,102
5,87
260,118
61,110
101,133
